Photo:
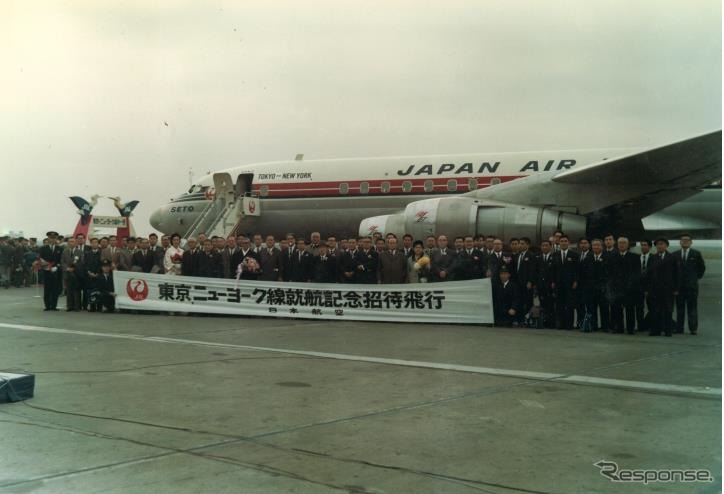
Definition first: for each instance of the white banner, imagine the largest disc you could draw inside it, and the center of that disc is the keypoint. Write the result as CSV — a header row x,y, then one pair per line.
x,y
463,302
110,221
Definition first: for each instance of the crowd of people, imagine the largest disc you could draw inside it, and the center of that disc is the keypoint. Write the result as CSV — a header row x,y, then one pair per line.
x,y
592,285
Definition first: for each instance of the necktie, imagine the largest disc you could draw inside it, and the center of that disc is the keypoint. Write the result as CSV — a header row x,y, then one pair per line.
x,y
643,263
520,258
545,258
686,252
300,256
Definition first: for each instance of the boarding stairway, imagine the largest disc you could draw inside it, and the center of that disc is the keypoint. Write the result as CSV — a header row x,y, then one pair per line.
x,y
226,210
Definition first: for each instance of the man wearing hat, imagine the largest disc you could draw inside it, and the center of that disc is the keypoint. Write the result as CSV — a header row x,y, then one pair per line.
x,y
506,298
104,292
664,273
50,261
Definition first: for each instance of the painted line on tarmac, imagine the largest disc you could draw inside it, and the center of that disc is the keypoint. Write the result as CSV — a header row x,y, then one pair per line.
x,y
544,376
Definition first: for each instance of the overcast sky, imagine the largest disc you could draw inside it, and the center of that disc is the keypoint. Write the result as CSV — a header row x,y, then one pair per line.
x,y
87,87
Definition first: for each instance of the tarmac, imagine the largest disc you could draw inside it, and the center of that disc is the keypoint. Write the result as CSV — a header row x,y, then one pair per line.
x,y
138,403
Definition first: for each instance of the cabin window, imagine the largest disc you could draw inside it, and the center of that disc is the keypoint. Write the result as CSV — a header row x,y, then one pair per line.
x,y
364,187
429,186
344,188
495,181
472,183
385,187
264,190
406,186
452,185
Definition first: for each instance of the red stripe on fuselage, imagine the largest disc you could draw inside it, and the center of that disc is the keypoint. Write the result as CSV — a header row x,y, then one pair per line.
x,y
312,189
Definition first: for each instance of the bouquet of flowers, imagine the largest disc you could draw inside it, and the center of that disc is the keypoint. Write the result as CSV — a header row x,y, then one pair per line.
x,y
249,265
421,263
176,259
48,266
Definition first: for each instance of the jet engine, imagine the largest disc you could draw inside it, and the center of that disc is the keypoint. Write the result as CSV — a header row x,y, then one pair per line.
x,y
453,216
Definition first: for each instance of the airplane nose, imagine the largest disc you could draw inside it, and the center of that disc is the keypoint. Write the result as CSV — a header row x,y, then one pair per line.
x,y
156,219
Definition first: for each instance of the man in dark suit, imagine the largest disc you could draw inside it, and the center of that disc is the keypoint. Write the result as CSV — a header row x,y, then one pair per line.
x,y
324,266
609,245
664,272
209,261
497,259
442,261
335,251
270,261
245,250
393,263
190,257
546,283
51,263
347,263
525,272
692,270
92,269
506,299
144,259
407,241
623,272
367,262
585,284
643,302
599,284
470,264
158,254
286,257
226,254
300,265
70,276
103,286
79,252
566,282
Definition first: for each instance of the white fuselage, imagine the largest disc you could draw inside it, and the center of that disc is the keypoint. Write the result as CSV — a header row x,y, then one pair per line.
x,y
334,195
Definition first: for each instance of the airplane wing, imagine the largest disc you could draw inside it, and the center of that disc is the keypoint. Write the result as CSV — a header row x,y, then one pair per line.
x,y
631,186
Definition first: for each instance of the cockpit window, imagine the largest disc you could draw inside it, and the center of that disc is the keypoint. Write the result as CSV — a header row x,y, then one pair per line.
x,y
196,188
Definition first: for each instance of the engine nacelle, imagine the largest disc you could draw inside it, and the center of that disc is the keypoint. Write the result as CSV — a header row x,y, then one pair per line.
x,y
460,216
450,216
510,220
389,223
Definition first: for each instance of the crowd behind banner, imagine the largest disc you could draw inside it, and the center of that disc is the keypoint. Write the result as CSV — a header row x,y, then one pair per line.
x,y
596,284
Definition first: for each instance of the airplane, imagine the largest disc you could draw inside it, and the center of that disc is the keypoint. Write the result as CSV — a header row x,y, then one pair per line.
x,y
637,192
